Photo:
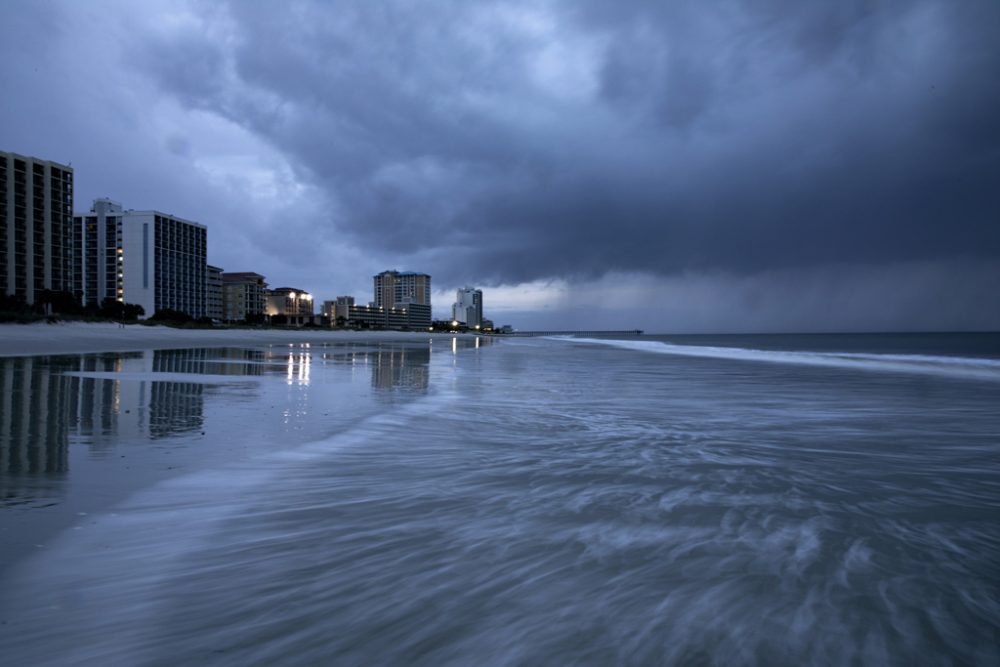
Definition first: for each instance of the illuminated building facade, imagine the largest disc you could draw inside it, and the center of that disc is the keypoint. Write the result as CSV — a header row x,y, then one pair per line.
x,y
413,316
295,305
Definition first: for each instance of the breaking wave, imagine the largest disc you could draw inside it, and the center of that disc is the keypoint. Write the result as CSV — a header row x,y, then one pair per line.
x,y
959,367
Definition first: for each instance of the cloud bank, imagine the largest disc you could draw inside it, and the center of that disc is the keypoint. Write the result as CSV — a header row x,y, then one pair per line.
x,y
801,149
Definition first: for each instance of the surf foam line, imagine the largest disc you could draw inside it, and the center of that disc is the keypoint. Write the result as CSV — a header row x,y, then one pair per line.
x,y
959,367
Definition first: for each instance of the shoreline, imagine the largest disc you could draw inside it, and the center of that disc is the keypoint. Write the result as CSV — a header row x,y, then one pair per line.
x,y
27,340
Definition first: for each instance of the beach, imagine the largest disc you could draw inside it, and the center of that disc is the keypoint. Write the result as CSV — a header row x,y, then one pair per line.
x,y
71,338
321,498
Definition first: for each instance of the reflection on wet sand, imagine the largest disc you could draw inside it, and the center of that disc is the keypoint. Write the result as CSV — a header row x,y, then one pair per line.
x,y
48,402
401,368
34,430
45,402
109,410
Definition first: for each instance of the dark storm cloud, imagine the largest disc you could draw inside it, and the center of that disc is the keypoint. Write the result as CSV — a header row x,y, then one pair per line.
x,y
515,141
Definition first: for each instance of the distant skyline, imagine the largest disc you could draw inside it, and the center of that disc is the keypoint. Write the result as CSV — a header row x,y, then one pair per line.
x,y
755,166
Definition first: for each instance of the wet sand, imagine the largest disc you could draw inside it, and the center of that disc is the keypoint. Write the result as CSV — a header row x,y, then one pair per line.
x,y
102,412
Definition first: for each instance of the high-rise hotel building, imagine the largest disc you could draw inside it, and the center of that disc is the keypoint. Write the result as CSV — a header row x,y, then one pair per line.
x,y
395,289
36,226
152,259
468,307
99,256
406,294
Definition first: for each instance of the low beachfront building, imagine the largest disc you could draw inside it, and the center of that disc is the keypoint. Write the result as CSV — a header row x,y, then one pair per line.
x,y
337,312
342,309
326,311
294,305
414,316
244,296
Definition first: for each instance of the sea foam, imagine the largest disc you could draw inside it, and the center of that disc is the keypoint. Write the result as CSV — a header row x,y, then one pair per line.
x,y
959,367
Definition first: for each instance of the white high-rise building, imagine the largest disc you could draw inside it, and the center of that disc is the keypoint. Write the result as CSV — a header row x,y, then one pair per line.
x,y
152,259
165,262
468,307
98,252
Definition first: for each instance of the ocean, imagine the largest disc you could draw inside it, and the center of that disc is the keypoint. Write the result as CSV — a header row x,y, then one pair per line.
x,y
654,500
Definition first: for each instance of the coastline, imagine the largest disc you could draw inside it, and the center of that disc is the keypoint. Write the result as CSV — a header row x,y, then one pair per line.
x,y
21,340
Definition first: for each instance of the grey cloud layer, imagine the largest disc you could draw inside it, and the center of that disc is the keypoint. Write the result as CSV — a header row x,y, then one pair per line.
x,y
514,141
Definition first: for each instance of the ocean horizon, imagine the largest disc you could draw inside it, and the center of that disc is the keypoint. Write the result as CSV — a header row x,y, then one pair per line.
x,y
664,499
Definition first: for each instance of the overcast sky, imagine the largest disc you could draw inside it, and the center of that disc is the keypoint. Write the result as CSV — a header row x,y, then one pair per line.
x,y
771,165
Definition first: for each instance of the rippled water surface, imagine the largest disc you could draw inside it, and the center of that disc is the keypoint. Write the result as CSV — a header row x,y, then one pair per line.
x,y
530,502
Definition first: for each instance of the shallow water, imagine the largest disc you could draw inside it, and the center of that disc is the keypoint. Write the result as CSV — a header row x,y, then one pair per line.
x,y
529,502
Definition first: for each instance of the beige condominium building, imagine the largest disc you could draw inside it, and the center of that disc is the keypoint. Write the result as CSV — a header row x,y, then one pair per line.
x,y
402,301
244,295
397,289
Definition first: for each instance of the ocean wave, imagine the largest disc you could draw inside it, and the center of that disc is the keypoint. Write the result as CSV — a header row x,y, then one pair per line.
x,y
959,367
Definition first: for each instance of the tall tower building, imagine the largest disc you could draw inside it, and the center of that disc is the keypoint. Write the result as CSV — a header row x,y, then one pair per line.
x,y
165,262
395,289
152,259
468,307
99,258
36,226
402,300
